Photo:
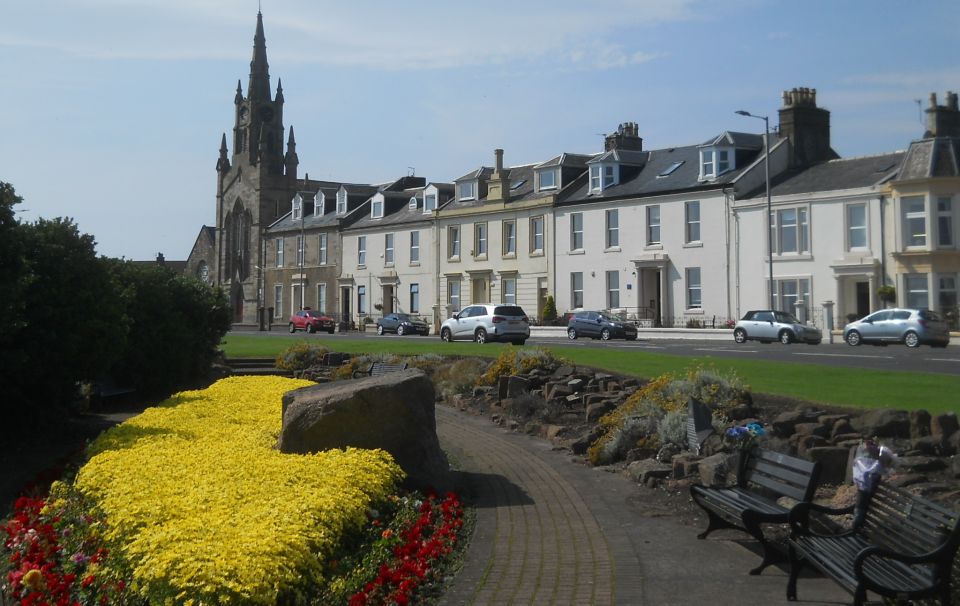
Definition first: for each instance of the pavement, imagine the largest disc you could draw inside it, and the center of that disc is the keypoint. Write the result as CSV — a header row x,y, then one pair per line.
x,y
552,531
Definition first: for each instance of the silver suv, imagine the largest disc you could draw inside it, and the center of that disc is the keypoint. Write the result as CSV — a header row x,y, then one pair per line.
x,y
482,323
912,327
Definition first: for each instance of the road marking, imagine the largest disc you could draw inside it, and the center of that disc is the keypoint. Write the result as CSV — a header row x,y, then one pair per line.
x,y
642,346
842,355
726,350
942,359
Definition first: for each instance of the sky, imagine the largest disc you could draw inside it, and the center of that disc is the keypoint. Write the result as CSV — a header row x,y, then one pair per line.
x,y
113,110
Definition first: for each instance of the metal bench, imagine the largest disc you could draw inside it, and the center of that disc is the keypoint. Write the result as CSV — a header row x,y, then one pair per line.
x,y
379,368
903,548
764,477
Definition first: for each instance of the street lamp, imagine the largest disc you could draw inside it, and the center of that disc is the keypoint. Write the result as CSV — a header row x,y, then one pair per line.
x,y
766,170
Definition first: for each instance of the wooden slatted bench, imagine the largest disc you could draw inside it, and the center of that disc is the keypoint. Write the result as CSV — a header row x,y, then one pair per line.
x,y
379,368
903,549
765,477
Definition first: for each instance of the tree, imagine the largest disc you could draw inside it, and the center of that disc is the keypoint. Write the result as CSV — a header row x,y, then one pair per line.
x,y
549,311
68,324
176,324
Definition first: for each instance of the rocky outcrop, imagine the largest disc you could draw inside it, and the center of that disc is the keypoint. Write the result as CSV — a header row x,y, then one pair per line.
x,y
394,412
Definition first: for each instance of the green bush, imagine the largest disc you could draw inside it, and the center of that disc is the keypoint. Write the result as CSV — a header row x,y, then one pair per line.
x,y
549,315
176,324
457,377
301,356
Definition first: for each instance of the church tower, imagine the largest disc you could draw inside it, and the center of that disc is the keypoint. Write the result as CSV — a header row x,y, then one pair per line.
x,y
255,185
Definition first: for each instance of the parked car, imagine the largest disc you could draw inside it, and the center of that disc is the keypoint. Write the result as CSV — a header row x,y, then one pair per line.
x,y
912,327
769,325
402,324
311,321
599,325
488,322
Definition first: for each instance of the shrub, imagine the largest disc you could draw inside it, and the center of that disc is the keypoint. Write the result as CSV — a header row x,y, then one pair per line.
x,y
301,356
665,395
457,376
513,361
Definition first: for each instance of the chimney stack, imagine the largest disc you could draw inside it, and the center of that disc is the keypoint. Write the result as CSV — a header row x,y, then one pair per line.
x,y
943,120
806,126
627,137
498,187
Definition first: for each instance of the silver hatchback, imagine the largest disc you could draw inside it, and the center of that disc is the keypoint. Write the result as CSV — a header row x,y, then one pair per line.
x,y
912,327
487,322
768,325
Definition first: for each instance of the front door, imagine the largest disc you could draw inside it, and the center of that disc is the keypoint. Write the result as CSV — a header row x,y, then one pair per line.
x,y
863,299
237,302
479,292
345,304
388,300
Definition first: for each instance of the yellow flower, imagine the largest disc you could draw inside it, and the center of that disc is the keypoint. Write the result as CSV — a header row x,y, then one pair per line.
x,y
33,580
206,509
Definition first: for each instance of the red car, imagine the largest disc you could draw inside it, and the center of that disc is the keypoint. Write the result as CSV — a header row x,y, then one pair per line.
x,y
311,321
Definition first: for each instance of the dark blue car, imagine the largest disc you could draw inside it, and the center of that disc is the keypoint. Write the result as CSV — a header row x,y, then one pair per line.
x,y
599,325
402,324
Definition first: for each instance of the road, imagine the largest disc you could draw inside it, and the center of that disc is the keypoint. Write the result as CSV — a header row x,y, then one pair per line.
x,y
892,357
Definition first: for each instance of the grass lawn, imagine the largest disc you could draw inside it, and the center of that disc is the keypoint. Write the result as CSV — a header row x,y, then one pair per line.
x,y
812,382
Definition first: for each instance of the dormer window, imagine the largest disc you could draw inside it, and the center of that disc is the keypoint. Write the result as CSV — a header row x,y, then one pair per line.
x,y
342,202
603,176
376,207
318,204
715,161
467,190
548,179
297,208
429,203
413,203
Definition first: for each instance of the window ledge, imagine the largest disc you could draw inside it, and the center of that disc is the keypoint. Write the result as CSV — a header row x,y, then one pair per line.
x,y
510,256
361,266
414,263
612,249
787,258
390,264
697,244
455,259
578,251
653,247
693,311
482,257
536,253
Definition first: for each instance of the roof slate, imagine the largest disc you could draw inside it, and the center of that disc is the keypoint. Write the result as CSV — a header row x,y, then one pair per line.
x,y
833,175
935,157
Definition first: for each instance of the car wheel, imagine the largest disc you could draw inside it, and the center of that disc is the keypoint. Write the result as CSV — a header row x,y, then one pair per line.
x,y
911,339
481,336
380,329
399,331
572,333
330,331
786,337
740,335
446,336
311,328
605,334
292,328
853,338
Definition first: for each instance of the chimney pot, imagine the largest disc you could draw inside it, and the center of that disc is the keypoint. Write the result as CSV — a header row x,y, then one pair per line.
x,y
498,159
933,100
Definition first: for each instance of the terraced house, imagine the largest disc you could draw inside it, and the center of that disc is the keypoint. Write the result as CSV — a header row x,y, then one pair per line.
x,y
389,260
645,232
495,236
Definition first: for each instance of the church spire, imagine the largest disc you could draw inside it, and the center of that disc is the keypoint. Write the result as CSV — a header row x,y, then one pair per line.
x,y
291,161
238,98
259,88
279,97
223,163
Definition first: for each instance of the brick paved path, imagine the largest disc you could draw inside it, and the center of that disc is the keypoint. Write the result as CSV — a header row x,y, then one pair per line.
x,y
553,532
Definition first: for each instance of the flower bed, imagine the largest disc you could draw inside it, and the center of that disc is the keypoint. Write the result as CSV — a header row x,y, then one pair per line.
x,y
196,500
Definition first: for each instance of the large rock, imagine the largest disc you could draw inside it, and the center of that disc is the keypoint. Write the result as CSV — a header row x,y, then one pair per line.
x,y
883,423
394,412
640,471
943,426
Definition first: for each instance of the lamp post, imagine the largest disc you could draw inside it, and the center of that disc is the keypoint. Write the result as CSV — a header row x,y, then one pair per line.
x,y
302,253
766,170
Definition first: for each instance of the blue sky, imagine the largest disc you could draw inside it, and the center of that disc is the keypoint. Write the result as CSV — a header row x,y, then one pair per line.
x,y
113,109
